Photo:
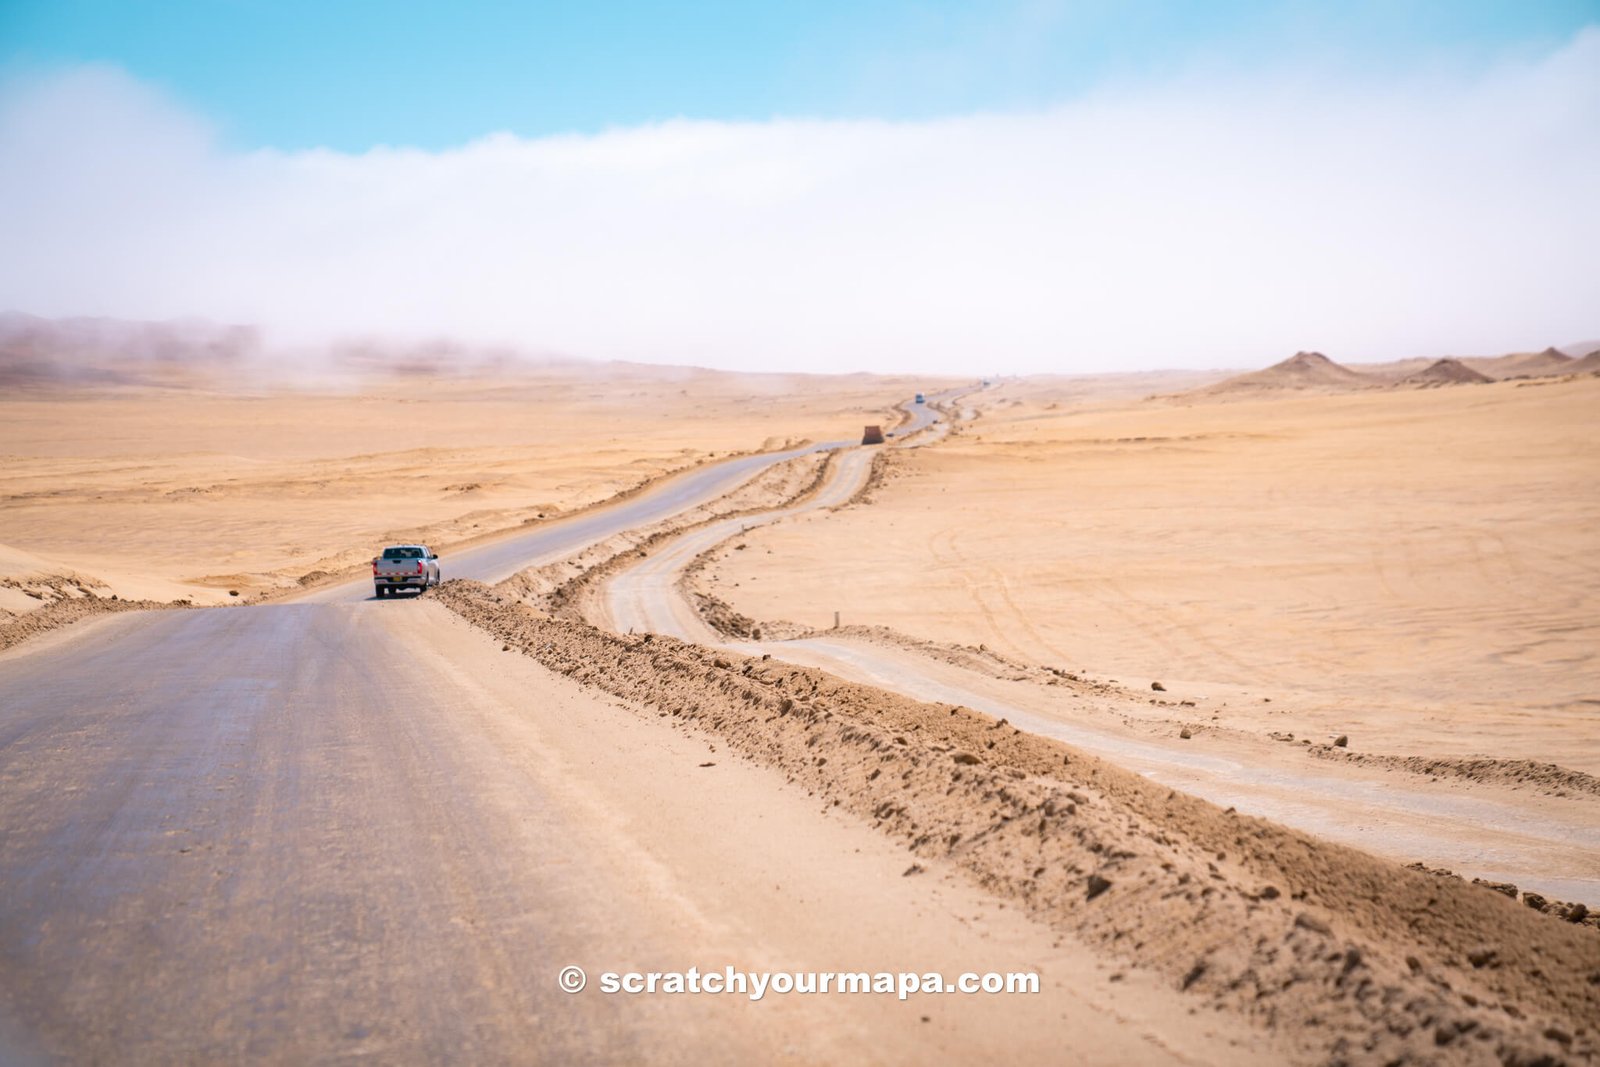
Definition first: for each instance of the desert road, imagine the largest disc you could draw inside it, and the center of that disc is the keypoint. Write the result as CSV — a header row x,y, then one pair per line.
x,y
1550,844
503,557
343,828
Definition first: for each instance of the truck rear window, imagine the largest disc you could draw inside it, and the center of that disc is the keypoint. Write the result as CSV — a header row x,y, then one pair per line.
x,y
402,553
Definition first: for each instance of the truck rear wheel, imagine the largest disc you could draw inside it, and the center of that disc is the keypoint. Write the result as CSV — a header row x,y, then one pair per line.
x,y
383,591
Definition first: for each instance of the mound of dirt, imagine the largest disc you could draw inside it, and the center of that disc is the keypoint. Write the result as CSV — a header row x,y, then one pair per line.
x,y
1301,371
66,612
1350,958
1546,777
1444,372
1589,364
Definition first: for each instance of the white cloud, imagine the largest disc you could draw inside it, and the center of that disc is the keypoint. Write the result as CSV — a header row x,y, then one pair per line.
x,y
1198,223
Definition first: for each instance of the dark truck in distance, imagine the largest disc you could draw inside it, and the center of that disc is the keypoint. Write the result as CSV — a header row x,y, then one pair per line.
x,y
404,567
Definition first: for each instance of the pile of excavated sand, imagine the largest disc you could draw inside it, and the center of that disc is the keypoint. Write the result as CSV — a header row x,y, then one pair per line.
x,y
1349,958
66,612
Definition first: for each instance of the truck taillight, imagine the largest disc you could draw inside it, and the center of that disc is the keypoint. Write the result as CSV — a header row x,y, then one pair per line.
x,y
374,568
421,569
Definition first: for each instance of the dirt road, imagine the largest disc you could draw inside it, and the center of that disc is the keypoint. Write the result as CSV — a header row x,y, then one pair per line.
x,y
1542,840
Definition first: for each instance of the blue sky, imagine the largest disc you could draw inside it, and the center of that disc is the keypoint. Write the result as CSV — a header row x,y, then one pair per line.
x,y
348,75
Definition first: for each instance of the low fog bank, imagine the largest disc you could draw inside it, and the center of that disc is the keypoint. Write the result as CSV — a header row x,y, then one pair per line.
x,y
1216,220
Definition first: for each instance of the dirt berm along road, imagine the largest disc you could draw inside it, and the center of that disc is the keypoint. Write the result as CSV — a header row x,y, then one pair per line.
x,y
343,828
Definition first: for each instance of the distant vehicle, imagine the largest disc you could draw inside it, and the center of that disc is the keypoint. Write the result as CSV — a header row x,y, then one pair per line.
x,y
920,399
872,435
404,567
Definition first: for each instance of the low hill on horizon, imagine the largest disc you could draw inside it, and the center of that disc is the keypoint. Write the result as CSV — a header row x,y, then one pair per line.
x,y
1303,371
1445,371
1551,361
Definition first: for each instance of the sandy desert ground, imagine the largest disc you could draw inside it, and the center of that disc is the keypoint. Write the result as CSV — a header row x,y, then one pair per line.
x,y
1418,569
1409,568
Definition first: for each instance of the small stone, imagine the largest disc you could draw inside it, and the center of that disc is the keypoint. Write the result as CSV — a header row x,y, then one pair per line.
x,y
1342,741
1577,913
915,868
1307,921
1481,957
505,648
233,592
720,662
964,758
1185,733
1098,885
1158,687
1535,901
1270,893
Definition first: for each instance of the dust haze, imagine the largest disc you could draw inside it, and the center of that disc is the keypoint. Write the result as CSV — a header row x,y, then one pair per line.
x,y
1207,222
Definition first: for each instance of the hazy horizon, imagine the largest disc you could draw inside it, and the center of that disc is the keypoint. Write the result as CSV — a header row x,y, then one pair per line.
x,y
1258,195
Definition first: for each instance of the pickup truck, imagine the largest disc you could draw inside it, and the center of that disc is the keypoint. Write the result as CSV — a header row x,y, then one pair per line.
x,y
404,567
